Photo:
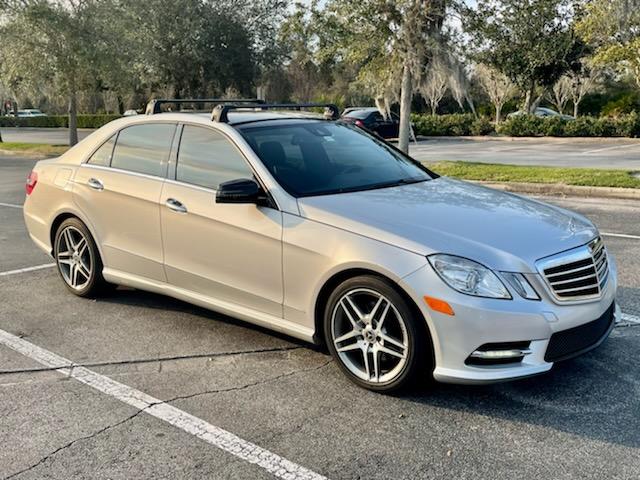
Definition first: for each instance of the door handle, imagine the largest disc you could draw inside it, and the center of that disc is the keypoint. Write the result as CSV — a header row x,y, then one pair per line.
x,y
175,205
95,184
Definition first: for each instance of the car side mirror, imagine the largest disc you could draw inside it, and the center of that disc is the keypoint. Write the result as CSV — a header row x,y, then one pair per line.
x,y
242,190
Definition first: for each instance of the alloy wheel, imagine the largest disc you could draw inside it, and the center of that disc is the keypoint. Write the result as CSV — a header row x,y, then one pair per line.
x,y
369,335
73,256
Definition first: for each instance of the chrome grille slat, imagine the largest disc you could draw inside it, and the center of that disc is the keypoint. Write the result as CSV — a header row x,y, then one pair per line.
x,y
589,262
569,271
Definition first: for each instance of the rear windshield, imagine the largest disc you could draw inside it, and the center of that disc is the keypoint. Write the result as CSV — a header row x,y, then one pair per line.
x,y
320,158
358,114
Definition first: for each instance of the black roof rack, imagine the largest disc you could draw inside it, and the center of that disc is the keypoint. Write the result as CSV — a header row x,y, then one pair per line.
x,y
154,105
220,111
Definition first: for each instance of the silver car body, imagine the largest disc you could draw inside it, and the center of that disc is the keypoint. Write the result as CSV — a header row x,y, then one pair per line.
x,y
272,266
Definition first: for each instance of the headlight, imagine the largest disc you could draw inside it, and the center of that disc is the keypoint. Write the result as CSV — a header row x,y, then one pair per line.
x,y
521,285
467,276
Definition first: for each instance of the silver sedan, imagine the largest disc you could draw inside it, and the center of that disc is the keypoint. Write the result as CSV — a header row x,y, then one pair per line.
x,y
319,230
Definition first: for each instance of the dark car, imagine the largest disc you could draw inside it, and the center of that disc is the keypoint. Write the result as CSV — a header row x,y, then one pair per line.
x,y
371,119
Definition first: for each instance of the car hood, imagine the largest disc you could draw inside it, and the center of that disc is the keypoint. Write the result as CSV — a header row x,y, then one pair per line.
x,y
501,230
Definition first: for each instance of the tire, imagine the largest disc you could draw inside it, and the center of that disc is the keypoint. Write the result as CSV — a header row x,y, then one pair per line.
x,y
394,338
78,259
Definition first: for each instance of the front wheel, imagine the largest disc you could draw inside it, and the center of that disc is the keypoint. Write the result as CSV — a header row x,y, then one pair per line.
x,y
78,259
375,335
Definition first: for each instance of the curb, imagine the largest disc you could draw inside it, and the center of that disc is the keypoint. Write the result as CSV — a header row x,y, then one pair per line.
x,y
559,189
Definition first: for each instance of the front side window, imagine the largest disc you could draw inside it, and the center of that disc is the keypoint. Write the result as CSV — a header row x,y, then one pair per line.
x,y
102,156
144,148
207,158
319,158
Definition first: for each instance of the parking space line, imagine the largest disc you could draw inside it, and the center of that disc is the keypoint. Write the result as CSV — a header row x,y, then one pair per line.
x,y
274,464
620,235
625,317
27,269
10,205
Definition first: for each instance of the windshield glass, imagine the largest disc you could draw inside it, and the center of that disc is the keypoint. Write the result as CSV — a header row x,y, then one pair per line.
x,y
319,158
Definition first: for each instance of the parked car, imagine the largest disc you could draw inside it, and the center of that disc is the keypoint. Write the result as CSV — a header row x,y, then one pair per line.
x,y
129,113
30,112
318,229
542,112
371,119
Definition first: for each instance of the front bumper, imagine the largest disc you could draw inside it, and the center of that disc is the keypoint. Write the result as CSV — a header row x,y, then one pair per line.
x,y
479,321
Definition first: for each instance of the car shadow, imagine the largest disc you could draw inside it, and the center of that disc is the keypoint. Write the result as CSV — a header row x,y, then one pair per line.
x,y
596,395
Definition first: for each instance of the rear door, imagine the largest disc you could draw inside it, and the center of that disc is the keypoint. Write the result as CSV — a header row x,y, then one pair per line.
x,y
119,188
231,253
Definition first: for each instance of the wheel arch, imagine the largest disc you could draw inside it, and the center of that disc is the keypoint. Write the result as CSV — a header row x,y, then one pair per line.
x,y
63,215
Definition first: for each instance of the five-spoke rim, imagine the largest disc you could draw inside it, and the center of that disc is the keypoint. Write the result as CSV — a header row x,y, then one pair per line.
x,y
369,335
74,258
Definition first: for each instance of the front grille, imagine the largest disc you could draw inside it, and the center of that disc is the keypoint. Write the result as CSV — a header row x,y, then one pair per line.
x,y
574,341
582,274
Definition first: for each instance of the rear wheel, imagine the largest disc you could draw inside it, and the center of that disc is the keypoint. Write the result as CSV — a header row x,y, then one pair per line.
x,y
78,259
374,335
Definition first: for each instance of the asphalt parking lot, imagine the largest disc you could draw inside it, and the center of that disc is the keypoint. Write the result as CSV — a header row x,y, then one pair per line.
x,y
280,398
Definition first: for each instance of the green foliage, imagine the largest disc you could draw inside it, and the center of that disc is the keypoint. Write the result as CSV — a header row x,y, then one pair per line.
x,y
529,41
57,121
626,103
532,126
457,124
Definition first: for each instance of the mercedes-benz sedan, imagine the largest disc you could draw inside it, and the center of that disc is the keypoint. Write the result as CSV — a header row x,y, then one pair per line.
x,y
317,229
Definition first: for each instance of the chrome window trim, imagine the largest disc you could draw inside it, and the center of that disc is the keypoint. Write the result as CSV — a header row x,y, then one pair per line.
x,y
120,170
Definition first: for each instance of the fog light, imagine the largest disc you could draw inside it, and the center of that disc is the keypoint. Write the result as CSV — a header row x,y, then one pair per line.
x,y
499,353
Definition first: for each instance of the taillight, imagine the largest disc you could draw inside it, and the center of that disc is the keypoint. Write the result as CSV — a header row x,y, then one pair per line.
x,y
359,123
31,182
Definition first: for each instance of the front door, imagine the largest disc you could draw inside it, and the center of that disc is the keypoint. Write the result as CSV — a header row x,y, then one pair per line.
x,y
231,253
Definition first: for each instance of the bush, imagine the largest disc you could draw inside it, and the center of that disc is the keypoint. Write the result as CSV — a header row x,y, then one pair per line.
x,y
456,124
531,126
58,121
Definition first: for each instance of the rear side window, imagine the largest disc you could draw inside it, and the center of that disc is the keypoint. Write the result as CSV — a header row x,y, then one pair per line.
x,y
144,148
207,158
102,156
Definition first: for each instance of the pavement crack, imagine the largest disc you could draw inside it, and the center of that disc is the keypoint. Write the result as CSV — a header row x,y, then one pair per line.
x,y
73,442
136,361
249,385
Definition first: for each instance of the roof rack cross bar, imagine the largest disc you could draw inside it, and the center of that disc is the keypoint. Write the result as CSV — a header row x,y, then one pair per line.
x,y
220,111
154,106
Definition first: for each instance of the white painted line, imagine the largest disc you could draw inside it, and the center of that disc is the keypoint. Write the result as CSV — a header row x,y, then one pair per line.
x,y
28,269
227,441
10,205
630,318
620,235
606,149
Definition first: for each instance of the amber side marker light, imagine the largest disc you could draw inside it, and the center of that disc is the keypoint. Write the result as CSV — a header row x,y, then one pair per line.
x,y
438,305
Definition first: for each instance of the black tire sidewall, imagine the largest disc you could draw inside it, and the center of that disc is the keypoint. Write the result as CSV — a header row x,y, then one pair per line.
x,y
417,348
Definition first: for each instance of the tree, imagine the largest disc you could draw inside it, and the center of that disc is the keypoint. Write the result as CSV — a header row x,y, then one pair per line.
x,y
613,27
459,84
561,92
581,82
498,87
387,40
56,42
433,85
530,41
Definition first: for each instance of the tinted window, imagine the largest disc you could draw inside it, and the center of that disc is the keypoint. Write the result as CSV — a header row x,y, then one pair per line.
x,y
361,114
316,158
206,158
102,156
143,148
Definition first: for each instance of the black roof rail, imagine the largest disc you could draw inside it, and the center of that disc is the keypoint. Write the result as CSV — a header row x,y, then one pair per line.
x,y
220,111
154,105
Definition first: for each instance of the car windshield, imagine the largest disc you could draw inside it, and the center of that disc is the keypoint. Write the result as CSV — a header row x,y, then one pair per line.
x,y
320,158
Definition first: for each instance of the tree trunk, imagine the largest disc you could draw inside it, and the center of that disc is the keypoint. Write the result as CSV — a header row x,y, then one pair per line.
x,y
0,137
120,105
434,108
498,113
405,109
528,99
576,104
73,119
